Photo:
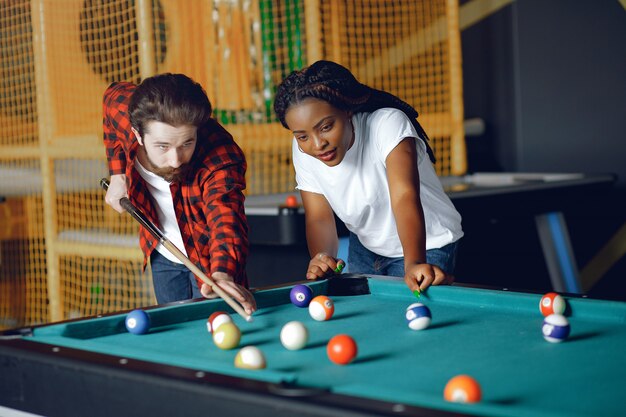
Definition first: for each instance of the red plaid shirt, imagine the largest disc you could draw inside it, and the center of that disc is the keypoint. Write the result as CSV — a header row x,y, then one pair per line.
x,y
208,204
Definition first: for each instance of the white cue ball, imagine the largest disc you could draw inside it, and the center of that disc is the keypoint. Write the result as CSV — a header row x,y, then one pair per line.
x,y
294,335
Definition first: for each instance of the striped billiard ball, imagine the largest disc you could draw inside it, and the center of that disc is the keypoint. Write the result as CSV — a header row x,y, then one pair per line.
x,y
418,316
216,319
555,328
321,308
551,303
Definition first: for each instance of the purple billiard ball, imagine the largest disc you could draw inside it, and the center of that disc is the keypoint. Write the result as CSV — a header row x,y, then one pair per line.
x,y
138,322
301,295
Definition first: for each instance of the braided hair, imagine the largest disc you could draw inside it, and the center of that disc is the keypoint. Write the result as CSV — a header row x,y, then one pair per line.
x,y
335,84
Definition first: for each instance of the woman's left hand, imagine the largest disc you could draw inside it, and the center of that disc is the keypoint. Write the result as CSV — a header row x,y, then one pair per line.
x,y
422,276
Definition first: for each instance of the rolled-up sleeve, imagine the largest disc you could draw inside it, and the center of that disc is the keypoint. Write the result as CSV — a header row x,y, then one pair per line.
x,y
116,125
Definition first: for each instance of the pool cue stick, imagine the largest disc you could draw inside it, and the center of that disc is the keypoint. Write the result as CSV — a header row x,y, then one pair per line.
x,y
160,236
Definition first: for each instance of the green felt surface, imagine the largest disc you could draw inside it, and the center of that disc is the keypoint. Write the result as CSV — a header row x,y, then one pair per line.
x,y
492,335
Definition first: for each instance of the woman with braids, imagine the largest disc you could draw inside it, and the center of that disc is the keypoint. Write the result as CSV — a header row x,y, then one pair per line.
x,y
360,153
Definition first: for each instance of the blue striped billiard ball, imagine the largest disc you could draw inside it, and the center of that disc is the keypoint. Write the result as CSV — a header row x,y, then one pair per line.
x,y
555,328
418,316
301,295
138,322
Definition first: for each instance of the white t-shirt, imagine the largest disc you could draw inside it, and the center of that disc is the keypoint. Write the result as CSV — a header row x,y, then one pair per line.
x,y
164,205
358,191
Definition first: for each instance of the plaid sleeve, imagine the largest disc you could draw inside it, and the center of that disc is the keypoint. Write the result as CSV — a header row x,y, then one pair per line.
x,y
224,208
116,125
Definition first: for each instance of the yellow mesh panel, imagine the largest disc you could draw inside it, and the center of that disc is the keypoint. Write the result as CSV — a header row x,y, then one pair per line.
x,y
268,153
80,203
257,43
404,47
18,107
23,283
96,285
63,251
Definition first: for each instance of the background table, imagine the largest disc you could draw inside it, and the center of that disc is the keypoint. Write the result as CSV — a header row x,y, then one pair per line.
x,y
94,367
508,219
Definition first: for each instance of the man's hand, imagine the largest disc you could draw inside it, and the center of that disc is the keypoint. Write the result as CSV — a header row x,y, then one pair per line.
x,y
117,190
236,291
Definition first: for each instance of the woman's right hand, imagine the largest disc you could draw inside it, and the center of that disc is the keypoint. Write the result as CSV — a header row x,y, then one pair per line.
x,y
323,265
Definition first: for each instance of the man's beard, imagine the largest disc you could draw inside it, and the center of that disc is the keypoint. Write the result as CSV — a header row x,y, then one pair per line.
x,y
168,174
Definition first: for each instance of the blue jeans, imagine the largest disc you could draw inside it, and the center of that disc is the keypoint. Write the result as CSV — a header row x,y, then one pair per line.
x,y
172,281
362,260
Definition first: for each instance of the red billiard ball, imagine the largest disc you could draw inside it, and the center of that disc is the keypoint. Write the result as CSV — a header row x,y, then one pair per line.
x,y
551,303
216,319
341,349
291,201
462,389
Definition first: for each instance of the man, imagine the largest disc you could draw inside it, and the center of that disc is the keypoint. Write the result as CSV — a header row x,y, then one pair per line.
x,y
186,174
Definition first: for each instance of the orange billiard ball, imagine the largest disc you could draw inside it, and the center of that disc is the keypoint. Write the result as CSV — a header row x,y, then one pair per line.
x,y
341,349
291,201
321,308
552,303
462,389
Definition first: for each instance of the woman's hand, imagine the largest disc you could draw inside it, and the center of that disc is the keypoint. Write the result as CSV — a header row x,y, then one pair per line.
x,y
421,276
323,265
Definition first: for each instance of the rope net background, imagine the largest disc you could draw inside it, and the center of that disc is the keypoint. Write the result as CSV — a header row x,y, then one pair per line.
x,y
63,252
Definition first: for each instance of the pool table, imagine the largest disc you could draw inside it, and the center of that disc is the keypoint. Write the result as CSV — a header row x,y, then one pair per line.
x,y
95,367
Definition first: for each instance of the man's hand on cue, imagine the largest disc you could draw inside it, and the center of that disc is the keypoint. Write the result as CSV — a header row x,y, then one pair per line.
x,y
236,291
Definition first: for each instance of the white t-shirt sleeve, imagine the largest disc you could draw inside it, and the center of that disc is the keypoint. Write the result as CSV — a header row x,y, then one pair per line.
x,y
390,127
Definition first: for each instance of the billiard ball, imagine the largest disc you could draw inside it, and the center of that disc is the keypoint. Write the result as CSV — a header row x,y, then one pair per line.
x,y
552,303
555,328
291,201
462,389
227,336
294,335
341,349
250,357
418,316
301,295
138,322
321,308
216,319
